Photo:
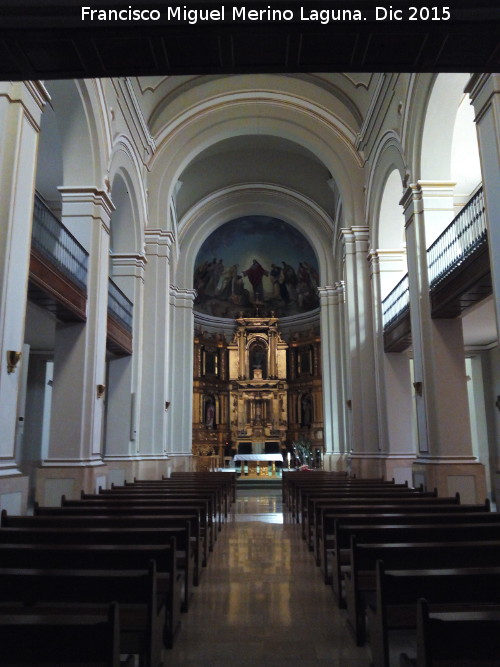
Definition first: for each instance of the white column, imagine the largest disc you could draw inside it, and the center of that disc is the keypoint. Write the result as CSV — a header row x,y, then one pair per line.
x,y
180,418
439,366
125,373
80,349
484,90
395,414
445,458
365,442
21,106
156,326
331,355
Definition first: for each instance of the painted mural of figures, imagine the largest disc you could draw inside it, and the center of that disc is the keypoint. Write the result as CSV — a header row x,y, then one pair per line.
x,y
274,275
215,270
255,274
240,295
290,281
313,274
225,285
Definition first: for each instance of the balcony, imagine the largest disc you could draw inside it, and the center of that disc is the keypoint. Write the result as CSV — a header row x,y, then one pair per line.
x,y
459,263
396,317
58,267
458,270
119,321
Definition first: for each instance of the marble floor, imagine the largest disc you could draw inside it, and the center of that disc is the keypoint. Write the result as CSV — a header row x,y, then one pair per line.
x,y
262,601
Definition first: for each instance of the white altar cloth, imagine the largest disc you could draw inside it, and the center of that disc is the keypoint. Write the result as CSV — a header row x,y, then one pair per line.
x,y
258,457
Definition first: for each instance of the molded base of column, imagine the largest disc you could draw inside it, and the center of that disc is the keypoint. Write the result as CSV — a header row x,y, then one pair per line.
x,y
14,493
400,468
53,481
336,462
465,476
366,466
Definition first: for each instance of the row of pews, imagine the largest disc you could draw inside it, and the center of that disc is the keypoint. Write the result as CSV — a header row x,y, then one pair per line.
x,y
403,559
103,580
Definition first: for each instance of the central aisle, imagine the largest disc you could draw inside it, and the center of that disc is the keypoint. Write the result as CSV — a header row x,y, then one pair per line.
x,y
262,601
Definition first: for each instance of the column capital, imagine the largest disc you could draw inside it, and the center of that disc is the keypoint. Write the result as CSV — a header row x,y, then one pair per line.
x,y
158,242
32,95
87,200
182,297
481,88
129,264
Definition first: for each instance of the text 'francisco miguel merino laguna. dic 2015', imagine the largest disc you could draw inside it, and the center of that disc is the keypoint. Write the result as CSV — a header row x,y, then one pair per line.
x,y
269,14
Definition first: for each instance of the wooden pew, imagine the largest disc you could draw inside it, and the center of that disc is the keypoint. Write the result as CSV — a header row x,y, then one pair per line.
x,y
360,579
435,530
106,530
309,496
324,541
29,640
225,477
394,604
178,514
324,511
108,557
174,505
215,511
455,638
214,520
142,608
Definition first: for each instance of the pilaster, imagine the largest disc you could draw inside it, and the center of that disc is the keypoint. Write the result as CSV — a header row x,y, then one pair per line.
x,y
180,417
444,435
156,328
363,398
125,373
80,349
21,106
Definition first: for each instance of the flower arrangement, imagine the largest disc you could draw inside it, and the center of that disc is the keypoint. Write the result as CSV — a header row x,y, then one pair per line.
x,y
303,453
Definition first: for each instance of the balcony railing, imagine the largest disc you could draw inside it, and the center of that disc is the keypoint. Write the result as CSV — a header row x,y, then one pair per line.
x,y
465,234
396,303
52,240
119,306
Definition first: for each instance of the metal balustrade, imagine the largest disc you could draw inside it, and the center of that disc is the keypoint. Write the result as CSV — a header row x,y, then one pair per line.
x,y
119,306
396,303
51,239
465,234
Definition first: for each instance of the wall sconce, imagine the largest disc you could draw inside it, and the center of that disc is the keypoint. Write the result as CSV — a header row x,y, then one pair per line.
x,y
101,388
418,388
349,403
12,360
167,405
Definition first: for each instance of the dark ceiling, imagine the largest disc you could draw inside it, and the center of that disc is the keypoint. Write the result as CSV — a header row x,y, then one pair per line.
x,y
47,39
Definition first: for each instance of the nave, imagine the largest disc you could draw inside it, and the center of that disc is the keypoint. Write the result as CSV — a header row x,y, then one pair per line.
x,y
262,601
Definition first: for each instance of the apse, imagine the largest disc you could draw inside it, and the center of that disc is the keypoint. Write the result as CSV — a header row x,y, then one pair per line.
x,y
256,264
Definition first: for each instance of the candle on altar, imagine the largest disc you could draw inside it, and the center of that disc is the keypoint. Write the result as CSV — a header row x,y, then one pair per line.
x,y
288,458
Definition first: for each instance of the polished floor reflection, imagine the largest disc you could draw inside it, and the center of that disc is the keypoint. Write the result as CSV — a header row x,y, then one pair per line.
x,y
262,601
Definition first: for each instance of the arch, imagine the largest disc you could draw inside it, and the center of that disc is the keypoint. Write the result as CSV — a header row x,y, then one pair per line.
x,y
438,131
83,130
129,197
385,189
294,119
253,199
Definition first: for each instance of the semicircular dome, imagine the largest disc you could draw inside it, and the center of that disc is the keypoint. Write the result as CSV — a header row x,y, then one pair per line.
x,y
256,264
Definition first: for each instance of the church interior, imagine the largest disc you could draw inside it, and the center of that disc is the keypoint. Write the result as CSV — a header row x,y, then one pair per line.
x,y
208,262
251,276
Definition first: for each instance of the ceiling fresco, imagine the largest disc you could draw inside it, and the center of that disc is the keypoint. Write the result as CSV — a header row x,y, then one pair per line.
x,y
256,265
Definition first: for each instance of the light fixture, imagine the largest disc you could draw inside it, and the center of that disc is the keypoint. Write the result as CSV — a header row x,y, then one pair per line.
x,y
418,388
12,360
167,405
101,388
